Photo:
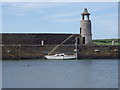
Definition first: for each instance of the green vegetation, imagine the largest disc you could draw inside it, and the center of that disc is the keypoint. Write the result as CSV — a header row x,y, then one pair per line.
x,y
106,41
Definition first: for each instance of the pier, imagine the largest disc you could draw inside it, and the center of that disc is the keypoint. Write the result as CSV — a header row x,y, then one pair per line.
x,y
38,51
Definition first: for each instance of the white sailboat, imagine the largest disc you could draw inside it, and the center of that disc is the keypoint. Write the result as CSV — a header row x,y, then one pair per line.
x,y
60,56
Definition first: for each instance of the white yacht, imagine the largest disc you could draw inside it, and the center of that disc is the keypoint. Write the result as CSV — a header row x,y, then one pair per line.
x,y
61,56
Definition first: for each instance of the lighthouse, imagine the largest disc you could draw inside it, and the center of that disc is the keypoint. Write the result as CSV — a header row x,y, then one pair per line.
x,y
85,28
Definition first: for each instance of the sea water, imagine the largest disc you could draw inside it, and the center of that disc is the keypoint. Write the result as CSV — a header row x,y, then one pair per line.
x,y
60,73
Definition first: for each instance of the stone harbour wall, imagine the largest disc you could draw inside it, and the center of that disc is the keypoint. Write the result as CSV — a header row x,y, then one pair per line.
x,y
38,51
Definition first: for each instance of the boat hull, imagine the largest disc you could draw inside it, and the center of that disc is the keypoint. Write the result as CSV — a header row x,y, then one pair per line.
x,y
60,57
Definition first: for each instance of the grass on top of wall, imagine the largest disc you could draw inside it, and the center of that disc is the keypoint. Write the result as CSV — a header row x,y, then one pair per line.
x,y
106,41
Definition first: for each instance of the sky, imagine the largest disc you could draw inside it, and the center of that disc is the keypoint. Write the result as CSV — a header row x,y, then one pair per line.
x,y
60,17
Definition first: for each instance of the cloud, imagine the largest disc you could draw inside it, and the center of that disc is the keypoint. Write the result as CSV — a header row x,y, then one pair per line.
x,y
32,5
59,15
23,8
40,12
66,20
63,17
106,17
94,9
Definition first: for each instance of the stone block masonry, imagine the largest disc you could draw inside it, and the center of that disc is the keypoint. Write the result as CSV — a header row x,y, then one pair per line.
x,y
38,51
85,28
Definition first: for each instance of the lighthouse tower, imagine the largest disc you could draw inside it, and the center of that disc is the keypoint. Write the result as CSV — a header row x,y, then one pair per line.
x,y
85,29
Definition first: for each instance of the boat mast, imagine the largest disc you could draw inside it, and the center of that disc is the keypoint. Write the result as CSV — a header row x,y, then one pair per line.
x,y
60,44
76,47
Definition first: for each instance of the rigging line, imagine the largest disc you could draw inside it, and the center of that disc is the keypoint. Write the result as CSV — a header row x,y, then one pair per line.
x,y
60,44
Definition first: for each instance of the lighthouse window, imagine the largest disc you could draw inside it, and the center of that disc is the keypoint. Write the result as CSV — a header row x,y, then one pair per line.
x,y
80,30
77,41
83,40
85,17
